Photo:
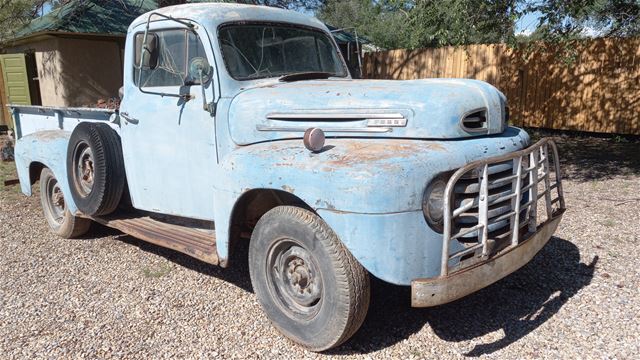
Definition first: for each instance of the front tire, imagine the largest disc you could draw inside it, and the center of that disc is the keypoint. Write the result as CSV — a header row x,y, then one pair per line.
x,y
311,288
61,221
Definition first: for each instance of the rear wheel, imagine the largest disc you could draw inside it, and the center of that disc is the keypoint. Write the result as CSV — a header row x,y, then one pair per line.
x,y
309,285
60,219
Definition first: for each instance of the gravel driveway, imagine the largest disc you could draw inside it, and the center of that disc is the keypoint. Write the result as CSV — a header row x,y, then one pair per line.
x,y
110,295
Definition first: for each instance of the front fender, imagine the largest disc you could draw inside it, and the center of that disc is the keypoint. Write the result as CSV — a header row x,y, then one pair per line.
x,y
50,149
351,176
372,176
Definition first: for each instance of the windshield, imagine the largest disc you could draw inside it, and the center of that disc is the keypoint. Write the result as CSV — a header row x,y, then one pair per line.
x,y
253,51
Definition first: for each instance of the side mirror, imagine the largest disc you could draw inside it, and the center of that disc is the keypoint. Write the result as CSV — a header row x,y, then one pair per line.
x,y
149,52
200,70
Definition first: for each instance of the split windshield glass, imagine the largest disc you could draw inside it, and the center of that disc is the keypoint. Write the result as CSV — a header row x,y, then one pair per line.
x,y
254,51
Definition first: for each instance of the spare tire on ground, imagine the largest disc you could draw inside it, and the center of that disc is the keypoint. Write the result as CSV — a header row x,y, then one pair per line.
x,y
95,168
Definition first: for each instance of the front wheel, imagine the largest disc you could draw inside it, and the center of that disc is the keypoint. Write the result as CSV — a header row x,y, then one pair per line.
x,y
311,288
58,216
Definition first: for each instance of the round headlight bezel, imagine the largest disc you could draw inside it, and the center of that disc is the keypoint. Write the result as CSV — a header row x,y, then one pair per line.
x,y
433,202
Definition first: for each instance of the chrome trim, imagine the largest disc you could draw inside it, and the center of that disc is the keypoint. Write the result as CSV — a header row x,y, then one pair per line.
x,y
440,290
387,122
538,173
479,130
329,115
326,130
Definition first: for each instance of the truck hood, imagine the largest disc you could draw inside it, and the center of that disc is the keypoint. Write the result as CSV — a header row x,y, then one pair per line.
x,y
421,109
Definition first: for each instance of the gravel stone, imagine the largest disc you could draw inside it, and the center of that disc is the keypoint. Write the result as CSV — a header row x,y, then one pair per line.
x,y
109,295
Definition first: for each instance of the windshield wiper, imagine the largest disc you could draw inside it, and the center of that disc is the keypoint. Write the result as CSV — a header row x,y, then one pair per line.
x,y
310,75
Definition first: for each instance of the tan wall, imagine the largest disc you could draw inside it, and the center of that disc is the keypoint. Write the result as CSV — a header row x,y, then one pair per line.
x,y
599,91
49,63
91,70
76,72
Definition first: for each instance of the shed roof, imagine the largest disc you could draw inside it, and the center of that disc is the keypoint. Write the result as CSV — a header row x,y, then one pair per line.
x,y
108,17
343,36
103,17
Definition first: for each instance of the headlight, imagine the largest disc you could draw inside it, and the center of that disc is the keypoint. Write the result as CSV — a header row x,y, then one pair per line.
x,y
433,203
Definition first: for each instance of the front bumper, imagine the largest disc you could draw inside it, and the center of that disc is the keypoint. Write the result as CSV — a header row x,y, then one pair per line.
x,y
444,289
492,225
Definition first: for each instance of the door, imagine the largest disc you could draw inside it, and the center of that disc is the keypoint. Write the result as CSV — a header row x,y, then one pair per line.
x,y
168,141
16,80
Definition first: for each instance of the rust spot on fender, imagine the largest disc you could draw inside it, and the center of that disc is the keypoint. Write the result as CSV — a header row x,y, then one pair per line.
x,y
354,153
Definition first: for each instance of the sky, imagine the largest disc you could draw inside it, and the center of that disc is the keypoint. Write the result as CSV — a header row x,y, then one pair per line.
x,y
528,23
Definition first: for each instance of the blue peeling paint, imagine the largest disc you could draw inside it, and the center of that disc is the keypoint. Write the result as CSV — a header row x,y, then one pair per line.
x,y
367,186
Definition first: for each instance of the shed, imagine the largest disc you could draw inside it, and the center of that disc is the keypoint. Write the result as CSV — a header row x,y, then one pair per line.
x,y
71,56
351,46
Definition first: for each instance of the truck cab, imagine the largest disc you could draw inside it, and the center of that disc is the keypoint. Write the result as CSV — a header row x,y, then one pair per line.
x,y
241,123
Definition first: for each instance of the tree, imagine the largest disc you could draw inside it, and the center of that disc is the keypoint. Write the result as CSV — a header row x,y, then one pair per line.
x,y
385,27
300,5
568,20
425,23
16,13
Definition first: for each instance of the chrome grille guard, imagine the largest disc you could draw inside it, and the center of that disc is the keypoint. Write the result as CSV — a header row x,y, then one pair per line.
x,y
534,166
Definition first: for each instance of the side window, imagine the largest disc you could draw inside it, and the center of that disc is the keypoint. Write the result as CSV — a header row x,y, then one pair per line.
x,y
176,49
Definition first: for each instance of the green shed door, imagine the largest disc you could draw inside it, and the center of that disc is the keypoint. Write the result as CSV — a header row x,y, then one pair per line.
x,y
16,81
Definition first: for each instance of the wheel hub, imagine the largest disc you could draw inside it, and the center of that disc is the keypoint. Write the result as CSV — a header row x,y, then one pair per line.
x,y
295,279
55,200
299,275
85,170
57,197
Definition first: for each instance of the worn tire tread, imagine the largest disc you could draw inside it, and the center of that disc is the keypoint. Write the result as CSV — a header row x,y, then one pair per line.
x,y
352,279
109,165
73,226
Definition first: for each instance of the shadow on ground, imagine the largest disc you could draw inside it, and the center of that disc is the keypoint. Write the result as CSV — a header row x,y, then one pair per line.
x,y
591,158
237,274
516,305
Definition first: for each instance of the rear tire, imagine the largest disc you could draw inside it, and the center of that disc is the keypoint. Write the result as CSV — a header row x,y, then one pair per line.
x,y
60,219
311,288
95,169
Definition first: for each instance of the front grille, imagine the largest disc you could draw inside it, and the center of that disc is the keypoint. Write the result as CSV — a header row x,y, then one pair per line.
x,y
467,192
493,204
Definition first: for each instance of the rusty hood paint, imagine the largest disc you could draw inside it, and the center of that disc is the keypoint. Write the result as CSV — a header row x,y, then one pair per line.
x,y
433,108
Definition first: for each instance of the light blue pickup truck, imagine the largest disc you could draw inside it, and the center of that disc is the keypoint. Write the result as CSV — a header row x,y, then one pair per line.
x,y
241,123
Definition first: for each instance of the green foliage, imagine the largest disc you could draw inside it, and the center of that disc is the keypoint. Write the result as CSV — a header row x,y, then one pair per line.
x,y
301,5
574,19
427,23
385,27
564,23
424,23
16,13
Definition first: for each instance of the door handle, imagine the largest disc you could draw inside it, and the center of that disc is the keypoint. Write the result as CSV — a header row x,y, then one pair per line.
x,y
128,118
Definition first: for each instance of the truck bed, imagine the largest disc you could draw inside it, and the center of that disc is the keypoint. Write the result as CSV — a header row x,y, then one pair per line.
x,y
29,119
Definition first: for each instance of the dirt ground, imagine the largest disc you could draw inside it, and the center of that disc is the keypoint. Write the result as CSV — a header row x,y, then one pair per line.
x,y
109,295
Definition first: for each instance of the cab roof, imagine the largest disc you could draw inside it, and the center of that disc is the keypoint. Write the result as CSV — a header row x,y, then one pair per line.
x,y
212,15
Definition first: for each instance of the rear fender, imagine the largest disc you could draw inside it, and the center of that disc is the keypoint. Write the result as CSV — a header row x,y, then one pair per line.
x,y
48,148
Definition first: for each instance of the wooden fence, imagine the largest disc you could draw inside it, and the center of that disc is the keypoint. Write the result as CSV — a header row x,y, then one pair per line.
x,y
599,91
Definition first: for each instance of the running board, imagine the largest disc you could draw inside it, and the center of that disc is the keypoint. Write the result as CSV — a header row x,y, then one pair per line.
x,y
197,242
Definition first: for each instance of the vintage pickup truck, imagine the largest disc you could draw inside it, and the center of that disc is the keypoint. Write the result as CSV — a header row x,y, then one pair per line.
x,y
241,123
